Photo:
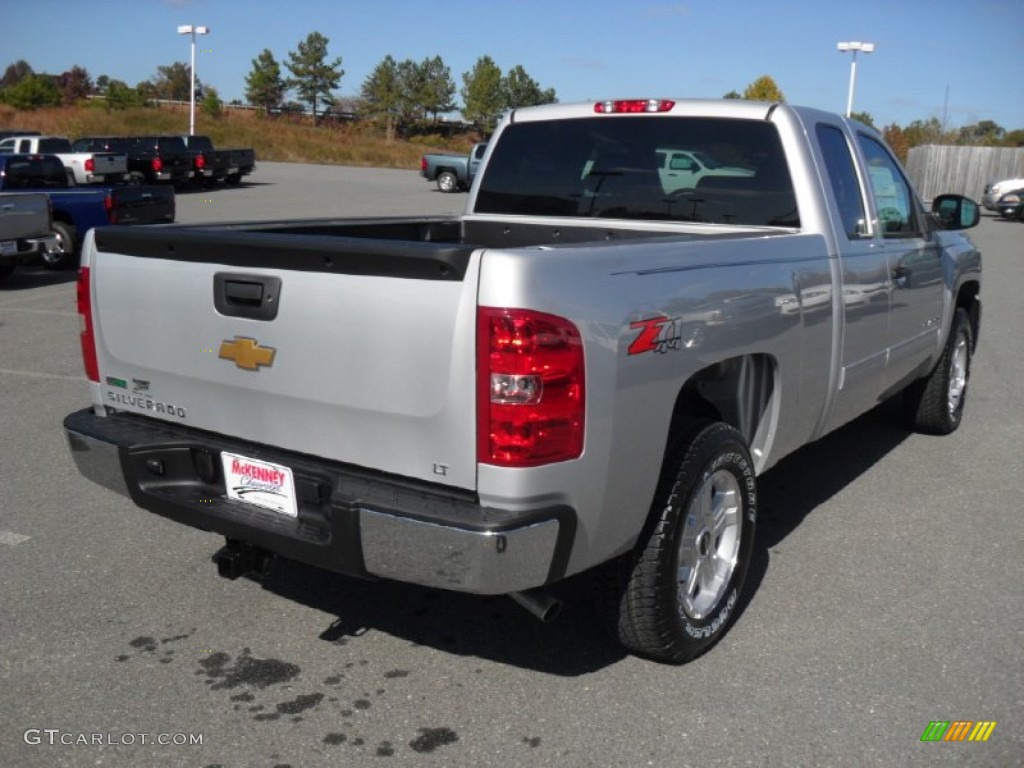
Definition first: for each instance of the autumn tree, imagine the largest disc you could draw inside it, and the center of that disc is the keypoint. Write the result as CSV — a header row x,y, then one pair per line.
x,y
897,141
483,94
763,89
264,85
15,73
75,84
312,76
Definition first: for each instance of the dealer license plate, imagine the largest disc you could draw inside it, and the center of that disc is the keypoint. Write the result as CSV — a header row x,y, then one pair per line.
x,y
260,483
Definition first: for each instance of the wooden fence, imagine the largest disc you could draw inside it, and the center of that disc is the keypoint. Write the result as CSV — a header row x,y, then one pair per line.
x,y
935,169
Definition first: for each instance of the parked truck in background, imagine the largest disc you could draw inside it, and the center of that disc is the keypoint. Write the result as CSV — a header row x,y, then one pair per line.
x,y
452,172
583,371
24,229
85,167
151,159
76,210
214,165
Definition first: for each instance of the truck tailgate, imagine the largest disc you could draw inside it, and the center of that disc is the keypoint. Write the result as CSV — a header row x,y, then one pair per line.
x,y
133,204
359,351
109,164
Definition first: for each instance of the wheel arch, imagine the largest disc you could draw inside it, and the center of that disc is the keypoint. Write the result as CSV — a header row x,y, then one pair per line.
x,y
739,391
968,299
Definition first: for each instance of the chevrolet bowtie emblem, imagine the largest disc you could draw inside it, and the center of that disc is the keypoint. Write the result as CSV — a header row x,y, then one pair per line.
x,y
246,353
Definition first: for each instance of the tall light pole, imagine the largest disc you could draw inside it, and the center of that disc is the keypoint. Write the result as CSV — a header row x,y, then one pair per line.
x,y
192,31
855,47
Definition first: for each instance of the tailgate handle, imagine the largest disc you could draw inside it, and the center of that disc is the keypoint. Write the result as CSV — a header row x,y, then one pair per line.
x,y
254,297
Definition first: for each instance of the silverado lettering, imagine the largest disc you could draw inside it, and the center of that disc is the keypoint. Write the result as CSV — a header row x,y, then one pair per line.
x,y
525,433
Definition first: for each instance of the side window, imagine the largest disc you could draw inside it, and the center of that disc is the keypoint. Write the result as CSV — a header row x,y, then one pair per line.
x,y
843,176
894,200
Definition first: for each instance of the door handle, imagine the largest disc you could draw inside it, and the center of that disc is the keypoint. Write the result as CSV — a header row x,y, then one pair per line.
x,y
255,297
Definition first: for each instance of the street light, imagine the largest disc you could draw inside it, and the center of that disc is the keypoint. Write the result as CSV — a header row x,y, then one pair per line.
x,y
192,31
855,47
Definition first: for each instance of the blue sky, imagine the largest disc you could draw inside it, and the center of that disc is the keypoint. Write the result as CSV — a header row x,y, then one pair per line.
x,y
584,49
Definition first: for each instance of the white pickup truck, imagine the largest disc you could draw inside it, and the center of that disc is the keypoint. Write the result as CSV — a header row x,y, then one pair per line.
x,y
585,369
82,167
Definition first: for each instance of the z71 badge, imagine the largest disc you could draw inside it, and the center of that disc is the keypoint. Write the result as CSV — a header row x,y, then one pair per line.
x,y
657,334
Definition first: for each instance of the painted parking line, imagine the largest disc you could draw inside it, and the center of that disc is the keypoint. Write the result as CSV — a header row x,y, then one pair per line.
x,y
40,375
12,539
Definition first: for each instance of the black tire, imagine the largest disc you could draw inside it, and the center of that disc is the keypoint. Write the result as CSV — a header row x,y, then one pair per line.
x,y
6,268
135,177
447,181
63,255
654,614
935,404
234,179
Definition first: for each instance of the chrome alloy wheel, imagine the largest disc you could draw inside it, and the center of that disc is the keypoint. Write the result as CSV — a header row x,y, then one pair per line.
x,y
710,544
957,375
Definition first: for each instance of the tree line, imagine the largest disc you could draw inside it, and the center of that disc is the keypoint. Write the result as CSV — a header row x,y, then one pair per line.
x,y
401,95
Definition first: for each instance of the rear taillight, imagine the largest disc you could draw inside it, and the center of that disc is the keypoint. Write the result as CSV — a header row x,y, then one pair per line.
x,y
200,162
423,163
530,388
92,368
108,207
90,165
157,165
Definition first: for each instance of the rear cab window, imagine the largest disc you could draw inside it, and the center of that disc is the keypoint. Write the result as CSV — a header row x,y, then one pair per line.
x,y
615,167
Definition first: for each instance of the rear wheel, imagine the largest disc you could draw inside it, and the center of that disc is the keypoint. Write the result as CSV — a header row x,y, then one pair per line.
x,y
6,268
62,254
935,404
447,182
674,597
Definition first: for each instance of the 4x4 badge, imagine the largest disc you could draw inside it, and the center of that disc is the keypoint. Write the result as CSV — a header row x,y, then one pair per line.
x,y
246,353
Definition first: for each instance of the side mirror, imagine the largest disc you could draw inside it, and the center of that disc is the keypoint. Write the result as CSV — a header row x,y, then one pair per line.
x,y
956,211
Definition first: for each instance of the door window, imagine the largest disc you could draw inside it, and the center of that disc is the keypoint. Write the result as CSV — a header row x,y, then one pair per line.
x,y
894,201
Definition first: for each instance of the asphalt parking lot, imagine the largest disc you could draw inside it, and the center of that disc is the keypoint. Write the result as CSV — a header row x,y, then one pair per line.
x,y
885,592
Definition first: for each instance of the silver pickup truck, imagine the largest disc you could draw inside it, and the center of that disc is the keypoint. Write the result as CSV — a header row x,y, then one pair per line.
x,y
583,370
24,229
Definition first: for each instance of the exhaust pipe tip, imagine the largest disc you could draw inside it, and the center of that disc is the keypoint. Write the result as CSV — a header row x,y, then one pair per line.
x,y
539,602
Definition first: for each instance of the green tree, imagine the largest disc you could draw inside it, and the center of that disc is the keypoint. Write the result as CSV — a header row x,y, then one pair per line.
x,y
211,104
521,90
1014,138
33,92
75,84
122,96
438,94
312,76
411,85
264,85
923,132
483,94
864,117
174,82
382,95
763,89
733,95
986,133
